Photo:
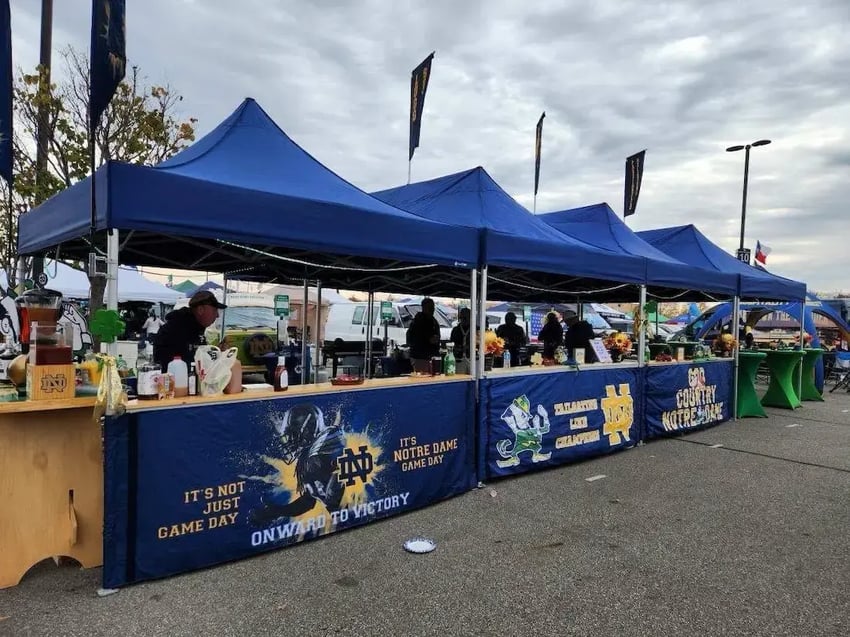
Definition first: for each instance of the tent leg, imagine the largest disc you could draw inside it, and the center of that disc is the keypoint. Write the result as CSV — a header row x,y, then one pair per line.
x,y
736,311
642,333
482,322
316,334
304,333
223,312
802,333
367,363
473,320
112,248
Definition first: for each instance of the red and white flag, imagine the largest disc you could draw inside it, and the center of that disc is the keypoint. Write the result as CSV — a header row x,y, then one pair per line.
x,y
761,254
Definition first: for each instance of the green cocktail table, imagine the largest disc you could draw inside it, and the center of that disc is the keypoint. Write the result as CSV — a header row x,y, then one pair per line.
x,y
749,404
781,390
810,359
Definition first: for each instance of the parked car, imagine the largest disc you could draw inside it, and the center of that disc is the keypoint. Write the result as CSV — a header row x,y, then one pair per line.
x,y
250,325
348,322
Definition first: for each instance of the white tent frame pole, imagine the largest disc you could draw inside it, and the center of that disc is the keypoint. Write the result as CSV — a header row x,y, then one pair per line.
x,y
304,334
642,333
482,322
112,249
472,360
736,319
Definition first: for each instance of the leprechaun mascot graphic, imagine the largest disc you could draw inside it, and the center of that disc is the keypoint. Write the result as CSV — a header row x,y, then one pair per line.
x,y
528,433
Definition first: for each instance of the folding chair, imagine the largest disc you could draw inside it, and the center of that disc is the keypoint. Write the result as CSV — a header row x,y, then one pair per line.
x,y
842,367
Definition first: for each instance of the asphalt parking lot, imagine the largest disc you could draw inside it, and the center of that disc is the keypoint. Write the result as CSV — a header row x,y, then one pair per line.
x,y
741,529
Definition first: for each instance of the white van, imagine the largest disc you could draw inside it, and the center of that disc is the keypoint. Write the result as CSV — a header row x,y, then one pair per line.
x,y
347,321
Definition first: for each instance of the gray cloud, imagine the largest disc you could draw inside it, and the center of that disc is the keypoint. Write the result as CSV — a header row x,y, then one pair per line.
x,y
683,80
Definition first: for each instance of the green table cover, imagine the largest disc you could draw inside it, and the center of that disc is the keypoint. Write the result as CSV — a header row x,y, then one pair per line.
x,y
781,391
810,359
749,404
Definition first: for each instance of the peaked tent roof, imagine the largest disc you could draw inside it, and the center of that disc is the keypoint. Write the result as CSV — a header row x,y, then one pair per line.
x,y
688,244
600,226
246,183
516,239
132,285
184,286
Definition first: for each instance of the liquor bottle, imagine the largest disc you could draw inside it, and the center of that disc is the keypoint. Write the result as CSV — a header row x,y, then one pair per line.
x,y
193,381
281,377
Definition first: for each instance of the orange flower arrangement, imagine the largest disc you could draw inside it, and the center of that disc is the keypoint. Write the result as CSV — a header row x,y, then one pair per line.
x,y
619,340
493,344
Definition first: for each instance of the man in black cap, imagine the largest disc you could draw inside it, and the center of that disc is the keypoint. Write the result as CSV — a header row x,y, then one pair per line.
x,y
183,328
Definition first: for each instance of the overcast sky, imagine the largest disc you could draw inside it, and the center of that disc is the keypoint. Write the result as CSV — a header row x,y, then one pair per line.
x,y
682,79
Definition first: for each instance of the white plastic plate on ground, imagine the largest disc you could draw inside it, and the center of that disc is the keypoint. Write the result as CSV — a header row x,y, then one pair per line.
x,y
419,545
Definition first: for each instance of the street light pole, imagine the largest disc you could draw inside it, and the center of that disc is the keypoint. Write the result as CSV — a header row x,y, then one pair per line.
x,y
744,197
746,148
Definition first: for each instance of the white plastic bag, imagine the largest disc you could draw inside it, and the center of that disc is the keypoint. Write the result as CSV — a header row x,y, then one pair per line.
x,y
213,368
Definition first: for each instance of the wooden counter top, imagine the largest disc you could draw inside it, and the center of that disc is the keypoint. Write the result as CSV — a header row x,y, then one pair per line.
x,y
21,406
294,390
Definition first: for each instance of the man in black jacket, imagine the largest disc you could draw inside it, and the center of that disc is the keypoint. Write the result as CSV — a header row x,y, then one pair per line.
x,y
423,337
579,334
183,328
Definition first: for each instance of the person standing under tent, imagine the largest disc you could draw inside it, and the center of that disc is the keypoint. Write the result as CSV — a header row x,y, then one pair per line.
x,y
551,335
460,339
513,335
423,337
579,334
152,325
183,328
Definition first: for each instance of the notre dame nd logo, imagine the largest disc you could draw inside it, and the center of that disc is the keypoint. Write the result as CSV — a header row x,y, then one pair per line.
x,y
52,383
351,465
619,412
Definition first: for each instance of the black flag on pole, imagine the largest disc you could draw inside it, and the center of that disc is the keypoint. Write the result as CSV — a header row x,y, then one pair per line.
x,y
538,144
634,175
5,92
108,55
418,85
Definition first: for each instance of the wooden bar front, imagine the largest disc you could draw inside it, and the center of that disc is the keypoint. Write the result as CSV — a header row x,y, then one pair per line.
x,y
51,485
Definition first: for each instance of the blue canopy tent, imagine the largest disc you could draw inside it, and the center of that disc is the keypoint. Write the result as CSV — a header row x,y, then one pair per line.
x,y
247,198
598,225
721,314
543,264
689,245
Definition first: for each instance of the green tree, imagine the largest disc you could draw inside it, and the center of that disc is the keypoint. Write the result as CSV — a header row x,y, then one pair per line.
x,y
141,126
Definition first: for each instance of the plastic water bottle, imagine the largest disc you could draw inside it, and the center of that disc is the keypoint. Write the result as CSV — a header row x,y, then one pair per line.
x,y
178,370
507,358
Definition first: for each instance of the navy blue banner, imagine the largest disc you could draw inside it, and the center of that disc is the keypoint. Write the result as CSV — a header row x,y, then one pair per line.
x,y
108,56
681,397
6,92
195,486
533,420
419,79
634,176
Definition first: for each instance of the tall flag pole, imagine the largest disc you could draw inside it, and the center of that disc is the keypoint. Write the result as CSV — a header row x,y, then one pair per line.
x,y
108,63
6,126
418,86
538,145
634,175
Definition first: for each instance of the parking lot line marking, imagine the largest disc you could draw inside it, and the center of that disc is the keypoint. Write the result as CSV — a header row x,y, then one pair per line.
x,y
595,478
